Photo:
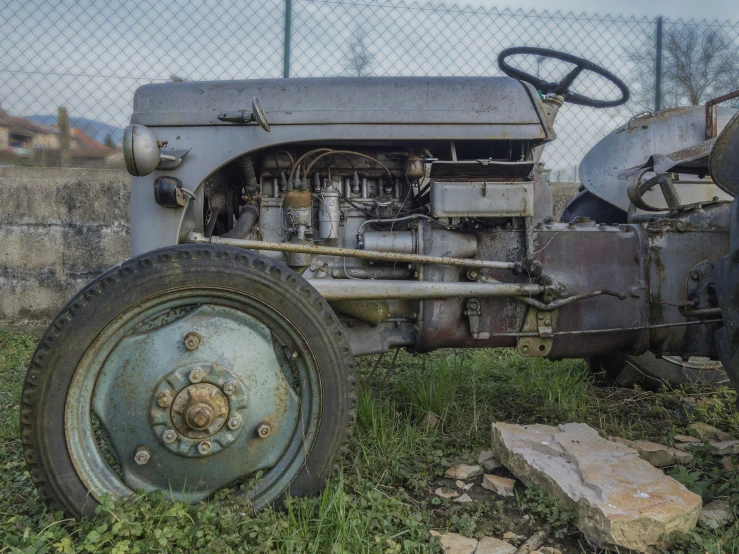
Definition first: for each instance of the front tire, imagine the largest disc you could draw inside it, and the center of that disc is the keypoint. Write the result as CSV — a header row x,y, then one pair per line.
x,y
186,370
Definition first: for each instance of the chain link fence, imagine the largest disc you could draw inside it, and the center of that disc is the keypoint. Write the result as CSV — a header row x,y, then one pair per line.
x,y
89,56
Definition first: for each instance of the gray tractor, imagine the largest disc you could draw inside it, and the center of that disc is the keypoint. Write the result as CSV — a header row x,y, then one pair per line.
x,y
280,228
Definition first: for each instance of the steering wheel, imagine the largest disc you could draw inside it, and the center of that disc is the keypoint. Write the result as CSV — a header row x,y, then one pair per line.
x,y
562,87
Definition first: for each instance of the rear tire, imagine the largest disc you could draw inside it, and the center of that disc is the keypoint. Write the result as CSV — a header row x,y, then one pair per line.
x,y
652,373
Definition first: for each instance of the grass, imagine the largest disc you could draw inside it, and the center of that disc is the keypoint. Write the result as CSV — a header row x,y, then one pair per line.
x,y
380,500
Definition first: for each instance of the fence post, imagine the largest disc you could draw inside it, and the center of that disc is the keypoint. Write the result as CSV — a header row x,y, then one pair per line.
x,y
288,24
658,68
62,120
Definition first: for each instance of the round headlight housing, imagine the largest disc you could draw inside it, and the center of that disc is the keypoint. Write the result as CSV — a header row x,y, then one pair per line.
x,y
140,150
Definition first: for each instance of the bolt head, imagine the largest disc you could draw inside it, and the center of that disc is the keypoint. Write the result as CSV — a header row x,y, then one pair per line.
x,y
169,436
547,321
204,447
263,430
229,388
234,422
164,400
192,340
694,276
196,375
525,348
142,455
540,315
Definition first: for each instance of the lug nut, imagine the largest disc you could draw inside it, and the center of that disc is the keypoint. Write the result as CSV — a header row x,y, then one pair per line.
x,y
263,430
169,436
204,447
234,423
229,388
142,455
192,340
164,400
196,375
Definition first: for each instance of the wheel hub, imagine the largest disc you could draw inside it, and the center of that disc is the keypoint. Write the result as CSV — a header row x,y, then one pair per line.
x,y
195,409
199,410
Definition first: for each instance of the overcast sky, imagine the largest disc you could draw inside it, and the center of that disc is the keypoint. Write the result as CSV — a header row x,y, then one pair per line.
x,y
704,9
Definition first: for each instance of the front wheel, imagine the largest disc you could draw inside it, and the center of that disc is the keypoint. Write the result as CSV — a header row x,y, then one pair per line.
x,y
188,370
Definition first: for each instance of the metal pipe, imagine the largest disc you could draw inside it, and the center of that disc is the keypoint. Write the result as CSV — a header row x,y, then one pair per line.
x,y
350,252
350,289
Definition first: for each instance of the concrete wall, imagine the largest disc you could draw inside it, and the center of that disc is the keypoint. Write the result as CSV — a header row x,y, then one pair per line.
x,y
59,228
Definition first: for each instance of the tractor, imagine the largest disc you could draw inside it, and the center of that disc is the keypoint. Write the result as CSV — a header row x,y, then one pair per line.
x,y
282,227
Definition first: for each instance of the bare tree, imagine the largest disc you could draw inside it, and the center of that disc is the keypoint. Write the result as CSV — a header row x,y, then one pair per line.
x,y
698,63
359,60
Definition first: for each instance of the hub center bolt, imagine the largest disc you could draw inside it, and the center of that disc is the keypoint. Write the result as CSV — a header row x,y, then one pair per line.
x,y
200,416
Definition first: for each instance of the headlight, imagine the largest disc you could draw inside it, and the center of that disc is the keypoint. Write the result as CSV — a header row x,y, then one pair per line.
x,y
140,150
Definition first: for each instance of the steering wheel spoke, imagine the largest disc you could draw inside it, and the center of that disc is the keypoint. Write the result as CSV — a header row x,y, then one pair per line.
x,y
562,87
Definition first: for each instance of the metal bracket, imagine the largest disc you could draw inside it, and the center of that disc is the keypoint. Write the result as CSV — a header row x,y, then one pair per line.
x,y
171,159
543,324
473,311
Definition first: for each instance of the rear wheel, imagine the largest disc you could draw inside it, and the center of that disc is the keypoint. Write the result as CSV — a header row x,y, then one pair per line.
x,y
651,372
188,370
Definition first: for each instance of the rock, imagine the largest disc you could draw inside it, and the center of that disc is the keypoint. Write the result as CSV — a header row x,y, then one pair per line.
x,y
708,433
727,464
686,439
462,485
726,447
499,485
491,465
546,550
430,421
491,545
452,543
620,500
445,492
488,461
658,455
716,514
511,536
462,471
462,499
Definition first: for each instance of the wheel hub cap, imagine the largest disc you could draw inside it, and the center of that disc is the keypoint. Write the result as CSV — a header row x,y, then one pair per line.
x,y
200,419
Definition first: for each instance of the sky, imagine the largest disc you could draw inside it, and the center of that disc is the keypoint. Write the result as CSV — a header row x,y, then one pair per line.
x,y
91,55
705,9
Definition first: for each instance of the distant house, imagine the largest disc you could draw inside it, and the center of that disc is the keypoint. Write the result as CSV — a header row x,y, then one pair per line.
x,y
44,136
86,151
14,137
40,143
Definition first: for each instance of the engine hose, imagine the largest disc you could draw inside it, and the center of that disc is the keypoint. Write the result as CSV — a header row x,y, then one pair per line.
x,y
250,176
245,223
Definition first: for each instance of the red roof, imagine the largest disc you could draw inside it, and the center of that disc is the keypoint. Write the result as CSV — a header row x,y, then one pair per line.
x,y
88,146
